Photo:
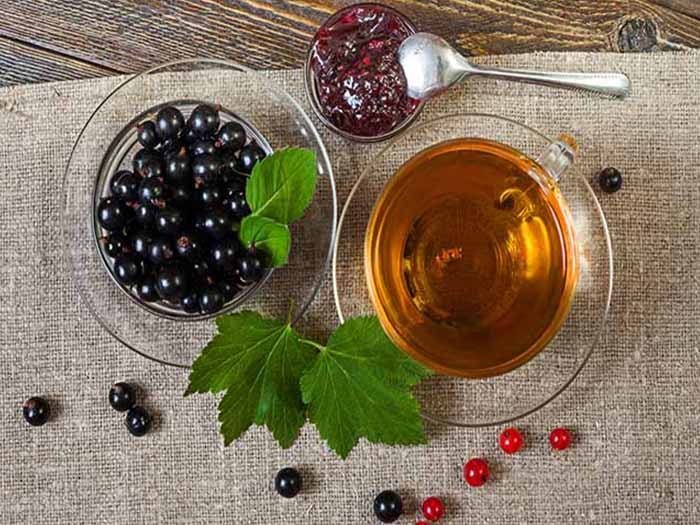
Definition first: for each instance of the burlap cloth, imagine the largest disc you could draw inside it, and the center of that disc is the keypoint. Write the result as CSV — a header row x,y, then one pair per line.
x,y
634,408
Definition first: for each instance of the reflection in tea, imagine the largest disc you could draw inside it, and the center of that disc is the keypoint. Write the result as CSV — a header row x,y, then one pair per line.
x,y
470,260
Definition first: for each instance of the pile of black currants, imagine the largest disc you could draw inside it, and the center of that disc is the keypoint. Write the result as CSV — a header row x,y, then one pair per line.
x,y
171,222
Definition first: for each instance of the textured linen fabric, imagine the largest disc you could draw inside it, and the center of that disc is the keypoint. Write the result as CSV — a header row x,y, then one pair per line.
x,y
634,407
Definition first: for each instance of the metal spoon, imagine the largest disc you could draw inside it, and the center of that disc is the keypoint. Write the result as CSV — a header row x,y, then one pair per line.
x,y
431,65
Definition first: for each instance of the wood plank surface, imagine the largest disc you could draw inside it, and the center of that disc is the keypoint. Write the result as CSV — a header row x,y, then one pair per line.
x,y
53,39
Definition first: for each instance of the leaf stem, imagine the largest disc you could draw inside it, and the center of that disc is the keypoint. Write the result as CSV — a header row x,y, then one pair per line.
x,y
316,345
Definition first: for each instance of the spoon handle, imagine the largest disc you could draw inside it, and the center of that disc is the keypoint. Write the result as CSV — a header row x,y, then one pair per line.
x,y
614,84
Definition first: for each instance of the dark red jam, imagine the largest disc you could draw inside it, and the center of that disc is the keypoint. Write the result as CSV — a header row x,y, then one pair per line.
x,y
360,85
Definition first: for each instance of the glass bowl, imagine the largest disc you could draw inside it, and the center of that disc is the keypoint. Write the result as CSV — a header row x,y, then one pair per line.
x,y
482,401
312,93
106,142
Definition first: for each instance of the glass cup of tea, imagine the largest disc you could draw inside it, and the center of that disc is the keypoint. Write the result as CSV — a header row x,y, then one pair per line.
x,y
486,258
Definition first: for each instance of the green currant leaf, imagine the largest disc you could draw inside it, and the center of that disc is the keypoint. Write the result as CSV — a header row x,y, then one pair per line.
x,y
259,362
270,237
282,185
360,386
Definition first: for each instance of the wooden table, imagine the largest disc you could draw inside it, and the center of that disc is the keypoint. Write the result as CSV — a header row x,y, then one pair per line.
x,y
43,40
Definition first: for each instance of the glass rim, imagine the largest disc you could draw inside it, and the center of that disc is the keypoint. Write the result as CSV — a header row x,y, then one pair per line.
x,y
227,64
602,319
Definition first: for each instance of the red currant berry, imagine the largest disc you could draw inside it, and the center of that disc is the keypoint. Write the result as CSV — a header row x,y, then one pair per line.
x,y
433,508
511,440
560,439
476,472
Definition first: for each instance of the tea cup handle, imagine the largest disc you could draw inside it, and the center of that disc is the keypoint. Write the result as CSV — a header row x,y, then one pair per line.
x,y
558,156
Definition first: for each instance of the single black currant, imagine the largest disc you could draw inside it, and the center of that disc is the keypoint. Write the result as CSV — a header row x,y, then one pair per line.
x,y
237,205
146,134
204,120
181,195
228,290
610,180
169,221
152,191
177,167
190,303
208,195
388,506
205,168
112,214
189,136
145,215
188,247
224,253
288,482
172,147
248,156
153,168
122,396
231,136
233,184
201,271
114,244
146,289
215,223
210,300
127,187
114,181
229,163
160,250
172,282
203,146
139,243
138,421
36,411
127,268
250,269
142,157
169,122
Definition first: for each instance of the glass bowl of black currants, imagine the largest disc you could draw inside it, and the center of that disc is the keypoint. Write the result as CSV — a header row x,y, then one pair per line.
x,y
154,192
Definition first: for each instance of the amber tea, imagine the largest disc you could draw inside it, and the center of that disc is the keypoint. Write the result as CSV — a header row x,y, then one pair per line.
x,y
470,258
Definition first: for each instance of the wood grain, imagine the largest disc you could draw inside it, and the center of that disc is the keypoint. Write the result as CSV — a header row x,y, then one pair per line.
x,y
127,36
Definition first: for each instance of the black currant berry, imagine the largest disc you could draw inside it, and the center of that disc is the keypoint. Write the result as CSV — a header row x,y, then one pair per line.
x,y
610,180
172,282
127,187
208,195
139,243
122,396
142,157
138,421
231,136
112,214
169,221
204,120
190,303
233,183
215,223
250,269
189,136
169,122
127,268
205,168
188,247
152,191
181,194
114,244
228,290
229,164
203,146
114,181
36,411
248,156
146,290
146,216
288,482
237,205
224,254
201,271
388,506
177,167
160,250
147,137
210,300
153,168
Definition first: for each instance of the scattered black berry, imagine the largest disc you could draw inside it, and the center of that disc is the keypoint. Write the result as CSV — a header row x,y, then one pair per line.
x,y
610,180
114,181
250,269
181,194
169,122
208,195
205,168
215,223
114,244
153,168
210,300
231,136
127,187
172,282
189,136
127,269
249,155
112,214
177,167
237,205
138,421
122,396
203,146
146,216
36,411
204,121
146,290
142,157
140,241
160,250
152,191
147,137
288,482
224,254
229,165
169,221
188,247
190,303
201,271
228,290
388,506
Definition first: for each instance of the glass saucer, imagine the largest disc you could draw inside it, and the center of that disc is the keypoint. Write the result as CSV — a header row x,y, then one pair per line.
x,y
276,116
499,399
